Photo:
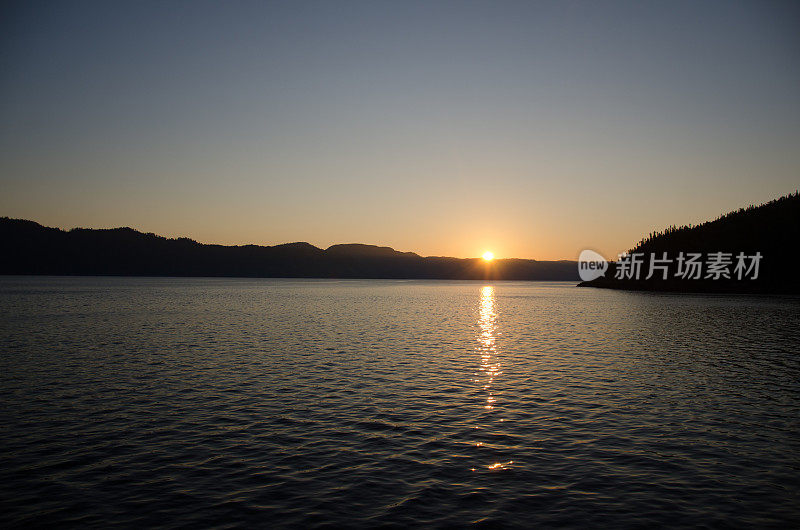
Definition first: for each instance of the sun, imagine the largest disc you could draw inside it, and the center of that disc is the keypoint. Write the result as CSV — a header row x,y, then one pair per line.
x,y
488,256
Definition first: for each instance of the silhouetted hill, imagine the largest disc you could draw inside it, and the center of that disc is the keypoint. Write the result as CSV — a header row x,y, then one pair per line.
x,y
30,248
771,229
373,251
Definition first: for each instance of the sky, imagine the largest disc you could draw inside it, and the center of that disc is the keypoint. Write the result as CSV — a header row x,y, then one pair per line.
x,y
532,129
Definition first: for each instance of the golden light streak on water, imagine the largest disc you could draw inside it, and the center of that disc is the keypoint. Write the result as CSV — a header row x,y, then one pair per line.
x,y
487,324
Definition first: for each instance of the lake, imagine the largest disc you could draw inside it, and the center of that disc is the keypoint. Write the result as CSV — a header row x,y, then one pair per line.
x,y
266,402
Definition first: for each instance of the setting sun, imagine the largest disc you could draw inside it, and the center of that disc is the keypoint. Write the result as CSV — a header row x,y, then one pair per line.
x,y
488,256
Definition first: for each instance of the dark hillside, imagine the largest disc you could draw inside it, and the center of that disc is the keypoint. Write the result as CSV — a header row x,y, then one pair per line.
x,y
771,229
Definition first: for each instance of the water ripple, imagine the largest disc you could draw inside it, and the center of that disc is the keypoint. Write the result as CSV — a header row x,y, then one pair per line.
x,y
184,403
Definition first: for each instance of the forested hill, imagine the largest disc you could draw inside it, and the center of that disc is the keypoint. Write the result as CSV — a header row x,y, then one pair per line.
x,y
771,230
30,248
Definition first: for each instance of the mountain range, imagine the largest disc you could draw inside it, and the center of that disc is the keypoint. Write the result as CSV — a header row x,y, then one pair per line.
x,y
30,248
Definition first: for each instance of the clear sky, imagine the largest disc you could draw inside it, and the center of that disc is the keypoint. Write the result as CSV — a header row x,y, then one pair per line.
x,y
533,129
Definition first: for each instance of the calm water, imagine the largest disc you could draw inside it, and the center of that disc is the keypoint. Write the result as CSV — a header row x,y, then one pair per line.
x,y
204,402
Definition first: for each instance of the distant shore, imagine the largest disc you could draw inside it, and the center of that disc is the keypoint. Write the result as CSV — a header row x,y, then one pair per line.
x,y
38,250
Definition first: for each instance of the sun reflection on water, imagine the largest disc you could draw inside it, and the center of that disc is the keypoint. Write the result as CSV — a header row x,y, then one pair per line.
x,y
489,370
487,323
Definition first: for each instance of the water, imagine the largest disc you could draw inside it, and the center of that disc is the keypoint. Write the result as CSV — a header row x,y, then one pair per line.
x,y
231,402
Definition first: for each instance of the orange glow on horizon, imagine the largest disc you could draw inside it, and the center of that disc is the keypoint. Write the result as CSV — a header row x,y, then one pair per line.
x,y
488,256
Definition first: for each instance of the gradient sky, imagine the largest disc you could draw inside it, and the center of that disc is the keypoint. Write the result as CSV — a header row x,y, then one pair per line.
x,y
533,129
